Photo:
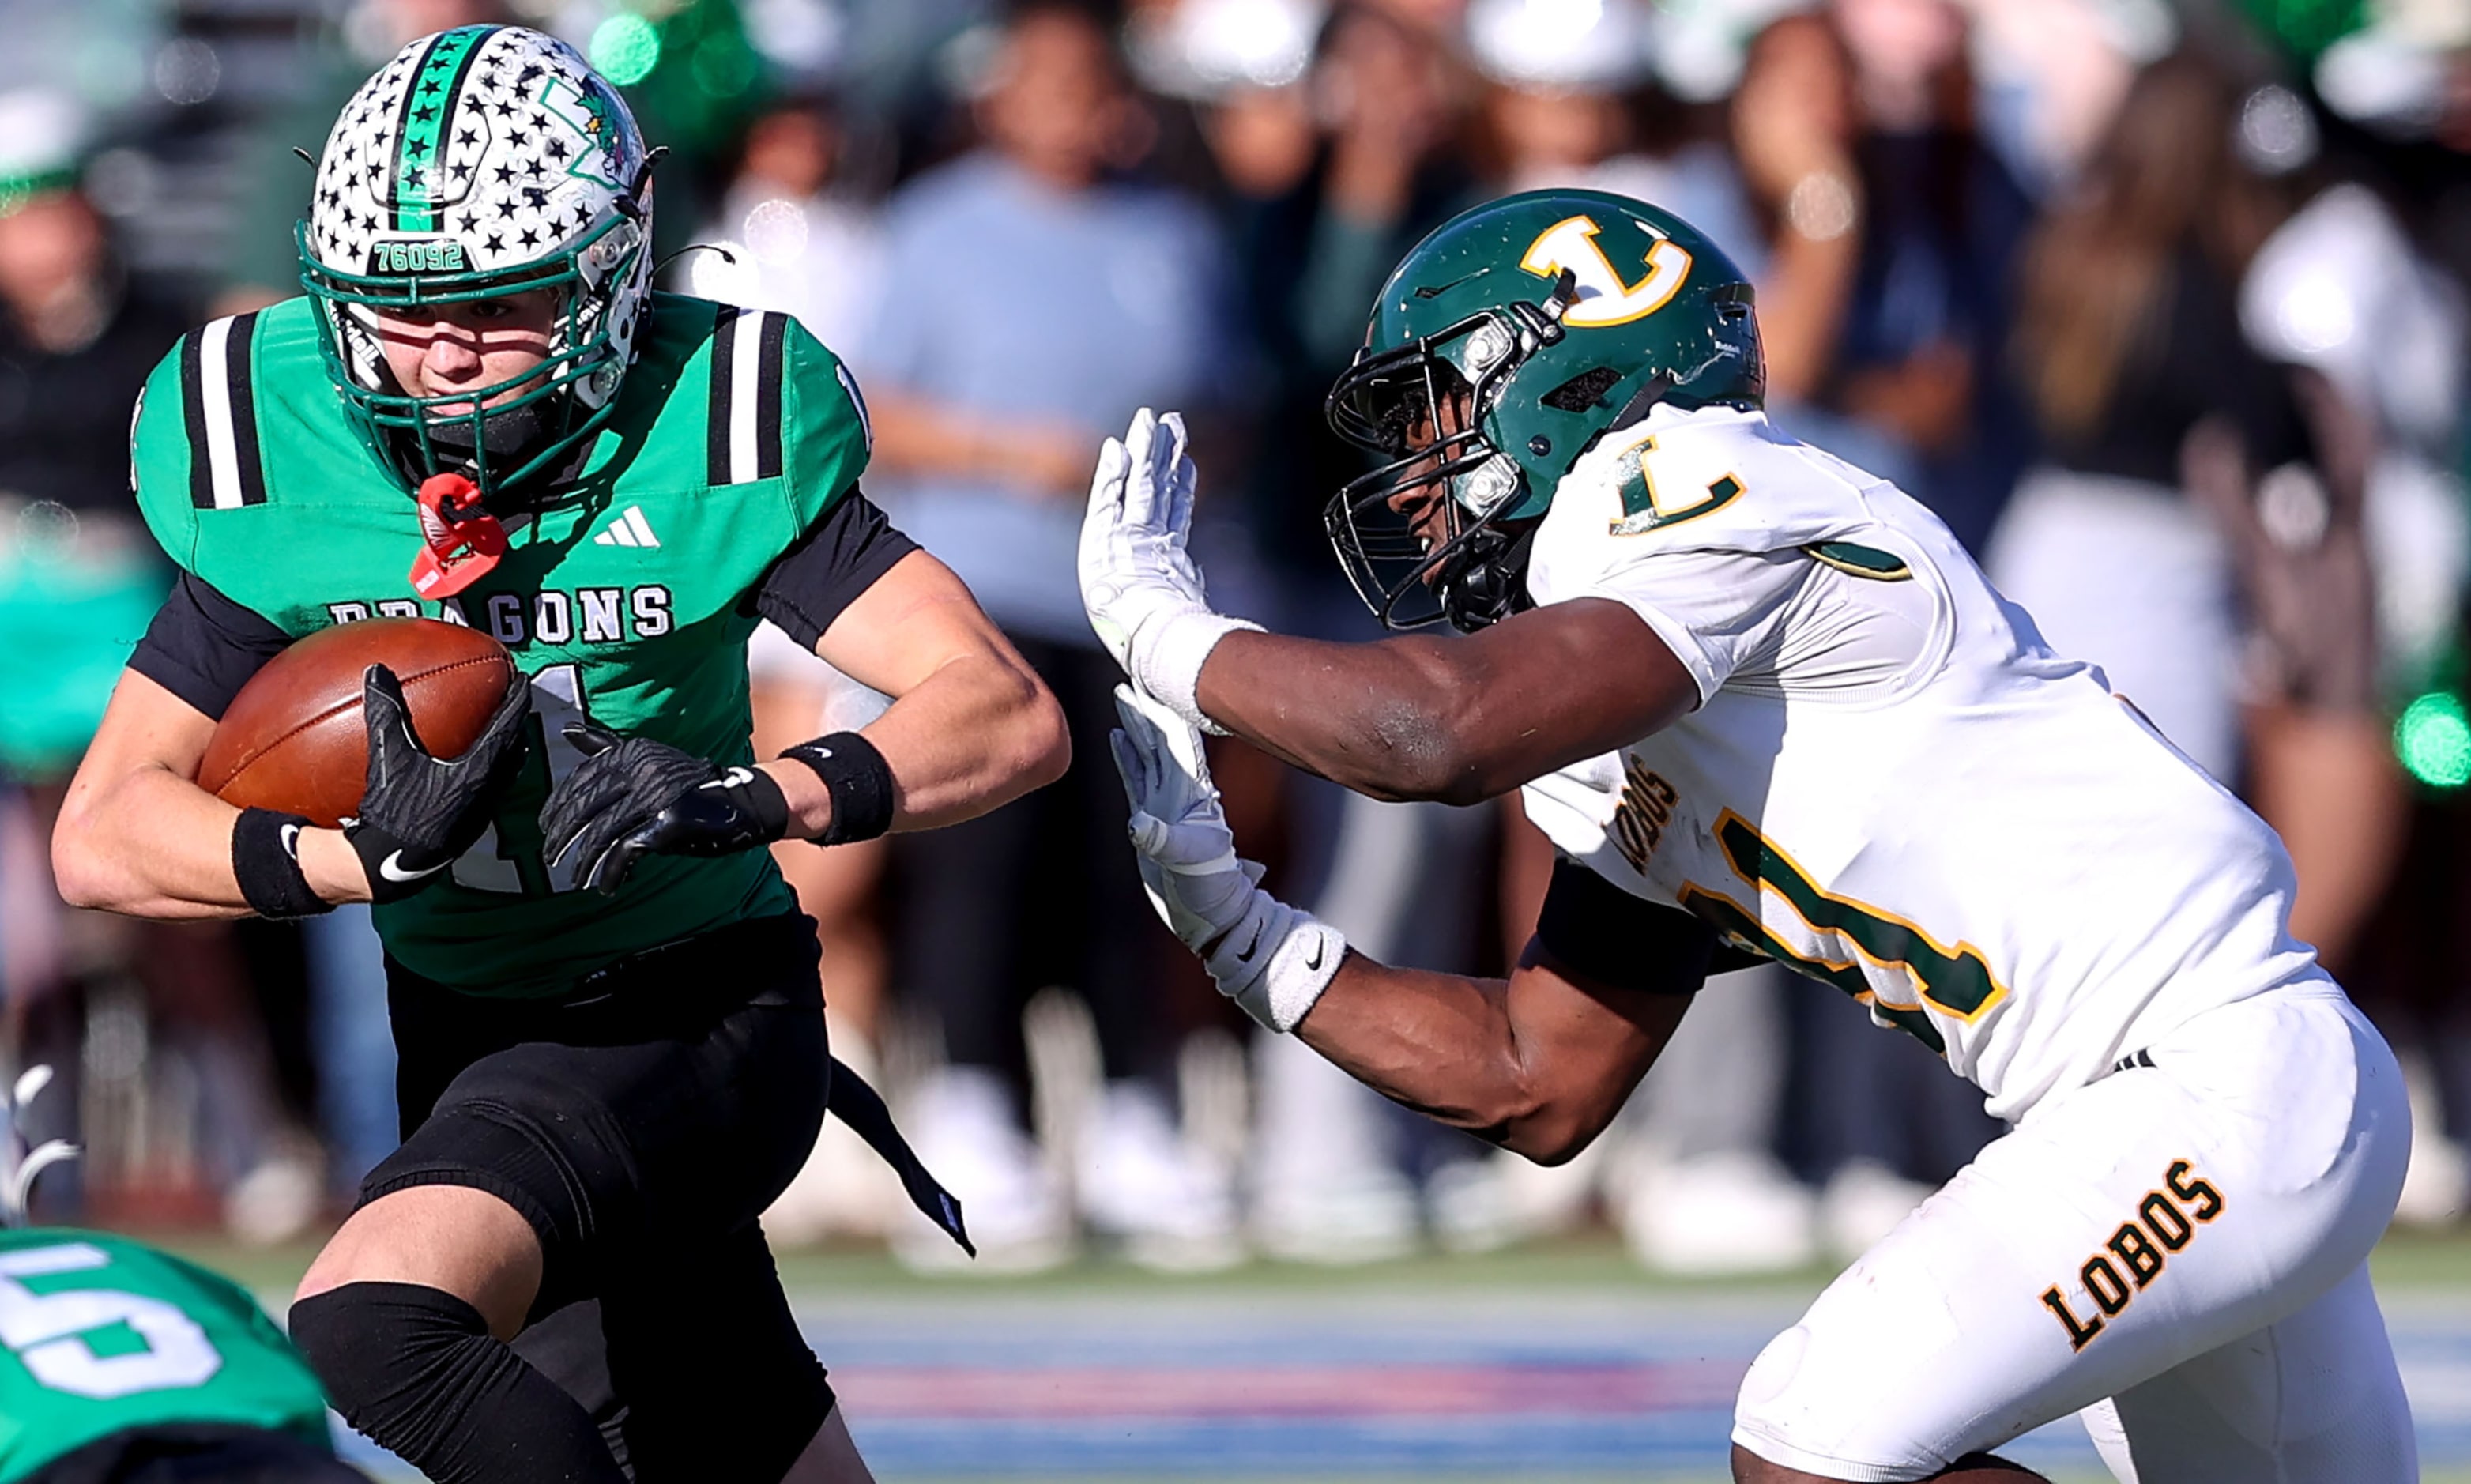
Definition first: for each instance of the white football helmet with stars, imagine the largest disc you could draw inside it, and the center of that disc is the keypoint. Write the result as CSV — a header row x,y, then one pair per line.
x,y
481,161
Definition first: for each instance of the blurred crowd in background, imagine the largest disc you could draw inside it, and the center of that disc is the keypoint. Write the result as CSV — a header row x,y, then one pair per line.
x,y
2160,305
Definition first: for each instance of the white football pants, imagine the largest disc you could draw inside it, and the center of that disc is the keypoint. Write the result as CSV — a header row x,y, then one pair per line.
x,y
2178,1246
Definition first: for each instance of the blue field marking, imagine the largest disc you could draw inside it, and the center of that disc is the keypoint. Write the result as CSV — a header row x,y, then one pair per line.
x,y
1561,1385
1442,1385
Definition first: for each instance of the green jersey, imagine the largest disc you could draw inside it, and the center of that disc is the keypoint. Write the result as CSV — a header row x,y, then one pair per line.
x,y
625,596
99,1333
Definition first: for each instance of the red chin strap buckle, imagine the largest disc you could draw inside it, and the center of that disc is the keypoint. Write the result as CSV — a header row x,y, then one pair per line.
x,y
464,541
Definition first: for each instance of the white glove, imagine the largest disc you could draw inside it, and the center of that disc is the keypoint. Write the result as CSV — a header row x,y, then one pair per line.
x,y
1271,958
1142,591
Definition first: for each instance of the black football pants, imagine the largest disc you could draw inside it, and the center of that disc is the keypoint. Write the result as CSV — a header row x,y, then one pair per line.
x,y
641,1128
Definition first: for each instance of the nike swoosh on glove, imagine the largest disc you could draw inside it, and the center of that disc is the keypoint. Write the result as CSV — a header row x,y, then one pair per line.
x,y
1143,594
632,796
1271,958
418,812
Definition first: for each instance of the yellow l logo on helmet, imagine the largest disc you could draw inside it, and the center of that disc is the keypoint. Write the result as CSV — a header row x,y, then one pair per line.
x,y
1603,297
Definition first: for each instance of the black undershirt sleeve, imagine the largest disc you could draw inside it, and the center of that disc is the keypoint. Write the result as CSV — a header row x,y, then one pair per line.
x,y
1605,936
202,647
840,557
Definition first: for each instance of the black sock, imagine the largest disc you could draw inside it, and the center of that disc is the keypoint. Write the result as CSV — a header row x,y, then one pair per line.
x,y
415,1369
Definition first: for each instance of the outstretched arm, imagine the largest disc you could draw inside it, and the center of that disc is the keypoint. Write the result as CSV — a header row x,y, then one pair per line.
x,y
1458,719
1413,718
1539,1063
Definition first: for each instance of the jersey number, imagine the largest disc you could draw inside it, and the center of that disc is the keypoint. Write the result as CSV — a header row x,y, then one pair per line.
x,y
1956,981
54,1334
506,857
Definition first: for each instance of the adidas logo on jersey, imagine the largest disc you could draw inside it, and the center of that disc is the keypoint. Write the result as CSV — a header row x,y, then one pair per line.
x,y
628,530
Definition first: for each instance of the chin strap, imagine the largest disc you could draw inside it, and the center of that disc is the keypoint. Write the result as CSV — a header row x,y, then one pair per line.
x,y
1490,583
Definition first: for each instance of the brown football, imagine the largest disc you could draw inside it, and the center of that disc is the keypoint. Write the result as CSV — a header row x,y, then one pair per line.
x,y
293,740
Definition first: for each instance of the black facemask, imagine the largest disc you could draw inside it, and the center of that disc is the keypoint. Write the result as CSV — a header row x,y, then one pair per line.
x,y
505,436
509,438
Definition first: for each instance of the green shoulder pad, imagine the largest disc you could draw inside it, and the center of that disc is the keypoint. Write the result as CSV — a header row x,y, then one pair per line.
x,y
812,401
829,437
159,459
781,407
195,445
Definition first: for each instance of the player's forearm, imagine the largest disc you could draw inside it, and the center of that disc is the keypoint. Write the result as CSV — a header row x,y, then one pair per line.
x,y
1452,1049
1454,719
1376,717
977,733
980,732
143,843
149,843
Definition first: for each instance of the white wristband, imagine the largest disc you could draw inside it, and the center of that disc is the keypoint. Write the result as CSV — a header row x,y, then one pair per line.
x,y
1275,961
1166,659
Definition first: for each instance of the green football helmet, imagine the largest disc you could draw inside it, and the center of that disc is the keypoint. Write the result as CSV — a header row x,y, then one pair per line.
x,y
1503,345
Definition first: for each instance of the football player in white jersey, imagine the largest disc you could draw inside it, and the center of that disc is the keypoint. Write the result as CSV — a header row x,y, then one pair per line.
x,y
1766,707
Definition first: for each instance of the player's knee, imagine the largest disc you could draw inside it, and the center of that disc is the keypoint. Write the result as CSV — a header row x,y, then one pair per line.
x,y
463,1241
389,1352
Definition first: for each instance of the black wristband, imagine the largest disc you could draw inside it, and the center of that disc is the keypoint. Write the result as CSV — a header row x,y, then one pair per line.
x,y
860,781
266,862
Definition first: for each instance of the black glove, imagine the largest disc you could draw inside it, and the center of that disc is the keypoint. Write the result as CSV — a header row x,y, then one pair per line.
x,y
632,796
418,813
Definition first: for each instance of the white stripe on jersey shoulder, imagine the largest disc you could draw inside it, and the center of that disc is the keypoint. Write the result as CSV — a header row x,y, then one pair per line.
x,y
746,370
744,435
226,470
214,395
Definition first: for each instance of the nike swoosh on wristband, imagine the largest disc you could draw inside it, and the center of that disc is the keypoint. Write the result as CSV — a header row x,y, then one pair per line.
x,y
392,870
1313,965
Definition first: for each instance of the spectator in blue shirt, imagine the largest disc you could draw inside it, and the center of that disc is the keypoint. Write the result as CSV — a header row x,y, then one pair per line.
x,y
1031,300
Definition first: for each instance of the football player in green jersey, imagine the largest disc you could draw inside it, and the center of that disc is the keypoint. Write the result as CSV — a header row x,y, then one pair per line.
x,y
118,1362
606,1001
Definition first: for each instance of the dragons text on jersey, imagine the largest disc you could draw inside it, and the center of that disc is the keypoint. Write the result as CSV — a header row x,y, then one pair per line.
x,y
737,430
590,615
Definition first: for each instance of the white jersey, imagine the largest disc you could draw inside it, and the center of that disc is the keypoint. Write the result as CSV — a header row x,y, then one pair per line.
x,y
1890,784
